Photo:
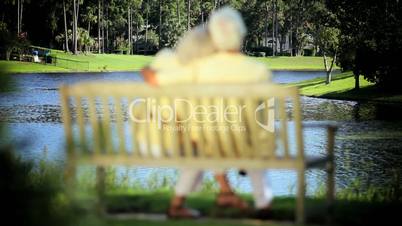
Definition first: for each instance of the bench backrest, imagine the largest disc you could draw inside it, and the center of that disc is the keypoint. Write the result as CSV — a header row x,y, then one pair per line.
x,y
227,121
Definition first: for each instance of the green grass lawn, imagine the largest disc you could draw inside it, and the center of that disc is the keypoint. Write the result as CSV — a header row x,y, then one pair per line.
x,y
28,67
108,62
116,62
342,87
294,63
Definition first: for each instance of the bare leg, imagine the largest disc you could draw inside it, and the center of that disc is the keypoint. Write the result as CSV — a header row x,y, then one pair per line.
x,y
188,180
226,196
223,183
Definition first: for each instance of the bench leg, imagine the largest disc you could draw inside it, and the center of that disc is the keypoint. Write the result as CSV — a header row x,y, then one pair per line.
x,y
330,191
330,168
100,189
69,179
300,215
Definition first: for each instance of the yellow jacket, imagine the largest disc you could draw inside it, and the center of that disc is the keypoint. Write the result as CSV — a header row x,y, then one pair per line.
x,y
219,68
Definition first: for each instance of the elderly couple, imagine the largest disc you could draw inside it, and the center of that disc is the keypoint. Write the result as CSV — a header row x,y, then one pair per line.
x,y
211,54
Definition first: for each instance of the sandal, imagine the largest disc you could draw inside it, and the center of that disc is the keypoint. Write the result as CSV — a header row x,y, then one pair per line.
x,y
231,200
181,212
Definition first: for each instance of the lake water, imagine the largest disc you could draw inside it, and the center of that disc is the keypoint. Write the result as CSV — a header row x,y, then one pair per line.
x,y
368,143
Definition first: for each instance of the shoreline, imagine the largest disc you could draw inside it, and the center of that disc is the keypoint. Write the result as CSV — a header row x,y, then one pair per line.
x,y
136,70
130,63
370,101
342,88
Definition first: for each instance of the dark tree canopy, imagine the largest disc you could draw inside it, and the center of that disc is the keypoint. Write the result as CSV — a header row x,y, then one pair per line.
x,y
371,39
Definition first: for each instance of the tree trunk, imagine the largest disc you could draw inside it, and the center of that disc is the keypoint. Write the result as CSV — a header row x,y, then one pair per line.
x,y
99,26
291,36
18,17
76,9
107,29
22,9
65,28
136,37
273,29
128,30
76,25
20,4
160,24
328,69
276,27
188,14
357,82
89,27
74,47
178,11
103,27
266,23
146,28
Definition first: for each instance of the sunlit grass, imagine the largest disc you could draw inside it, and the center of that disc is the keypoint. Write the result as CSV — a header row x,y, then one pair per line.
x,y
29,67
294,63
341,83
342,87
108,62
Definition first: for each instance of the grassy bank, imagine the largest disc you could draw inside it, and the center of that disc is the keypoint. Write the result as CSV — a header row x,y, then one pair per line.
x,y
126,200
342,87
115,62
294,63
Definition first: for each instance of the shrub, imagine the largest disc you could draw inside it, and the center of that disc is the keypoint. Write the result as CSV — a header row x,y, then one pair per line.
x,y
32,196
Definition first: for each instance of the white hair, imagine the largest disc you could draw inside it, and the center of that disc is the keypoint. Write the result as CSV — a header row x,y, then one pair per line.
x,y
227,29
195,44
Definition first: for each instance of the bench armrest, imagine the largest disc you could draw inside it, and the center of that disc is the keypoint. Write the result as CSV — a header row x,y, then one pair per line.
x,y
331,128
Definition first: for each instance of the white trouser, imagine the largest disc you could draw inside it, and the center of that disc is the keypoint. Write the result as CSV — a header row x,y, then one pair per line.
x,y
189,179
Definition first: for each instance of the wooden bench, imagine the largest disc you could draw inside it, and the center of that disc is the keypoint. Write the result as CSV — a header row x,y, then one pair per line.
x,y
99,131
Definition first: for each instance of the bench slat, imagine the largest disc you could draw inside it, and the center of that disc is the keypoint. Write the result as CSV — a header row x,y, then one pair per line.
x,y
119,124
223,134
284,126
134,114
66,118
81,123
106,125
252,132
94,124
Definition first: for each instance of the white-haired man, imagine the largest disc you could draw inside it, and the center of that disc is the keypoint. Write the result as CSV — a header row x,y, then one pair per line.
x,y
226,66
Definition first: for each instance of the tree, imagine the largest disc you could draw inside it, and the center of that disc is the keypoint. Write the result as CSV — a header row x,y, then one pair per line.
x,y
76,9
20,7
328,41
371,48
90,16
7,41
99,26
322,25
65,27
188,14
